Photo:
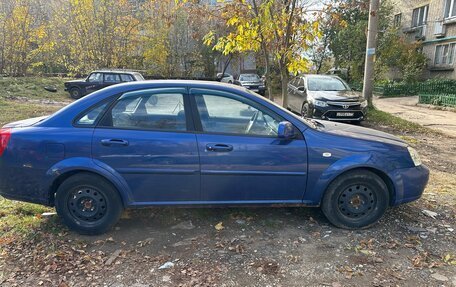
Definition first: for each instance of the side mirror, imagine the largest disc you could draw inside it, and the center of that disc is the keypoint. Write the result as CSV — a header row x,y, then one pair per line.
x,y
302,89
286,131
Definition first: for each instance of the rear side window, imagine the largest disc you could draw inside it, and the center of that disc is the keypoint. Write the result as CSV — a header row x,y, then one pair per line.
x,y
148,110
126,78
90,117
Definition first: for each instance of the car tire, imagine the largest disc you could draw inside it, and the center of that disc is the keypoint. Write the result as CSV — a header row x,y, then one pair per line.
x,y
305,110
355,200
88,204
75,93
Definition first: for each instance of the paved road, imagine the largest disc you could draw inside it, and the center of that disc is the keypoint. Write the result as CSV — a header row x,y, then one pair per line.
x,y
406,108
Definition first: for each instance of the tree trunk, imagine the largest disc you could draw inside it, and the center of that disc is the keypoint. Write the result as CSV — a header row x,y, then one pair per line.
x,y
284,85
267,72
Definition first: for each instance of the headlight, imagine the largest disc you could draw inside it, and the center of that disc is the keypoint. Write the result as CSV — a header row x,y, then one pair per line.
x,y
320,103
414,155
363,104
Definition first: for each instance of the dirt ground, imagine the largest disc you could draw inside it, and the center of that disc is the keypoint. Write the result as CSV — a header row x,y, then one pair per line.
x,y
407,108
253,246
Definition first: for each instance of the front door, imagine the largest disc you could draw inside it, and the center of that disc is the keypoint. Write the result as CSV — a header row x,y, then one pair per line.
x,y
93,83
242,159
145,138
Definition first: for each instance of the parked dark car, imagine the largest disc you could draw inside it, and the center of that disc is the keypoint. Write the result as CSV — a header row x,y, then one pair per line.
x,y
252,82
98,80
193,143
325,97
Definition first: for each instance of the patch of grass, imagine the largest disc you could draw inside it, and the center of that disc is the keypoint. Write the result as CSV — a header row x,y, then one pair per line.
x,y
20,218
33,88
16,110
379,118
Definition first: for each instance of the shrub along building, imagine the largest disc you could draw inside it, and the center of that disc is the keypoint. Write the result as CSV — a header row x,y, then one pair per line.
x,y
433,23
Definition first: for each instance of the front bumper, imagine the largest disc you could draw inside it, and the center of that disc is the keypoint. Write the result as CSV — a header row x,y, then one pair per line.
x,y
255,88
334,113
409,184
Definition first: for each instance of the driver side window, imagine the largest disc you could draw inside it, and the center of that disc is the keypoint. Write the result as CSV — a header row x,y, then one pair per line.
x,y
221,114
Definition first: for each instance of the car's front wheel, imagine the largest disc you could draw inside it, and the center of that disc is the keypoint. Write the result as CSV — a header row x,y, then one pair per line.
x,y
305,111
88,204
356,199
75,93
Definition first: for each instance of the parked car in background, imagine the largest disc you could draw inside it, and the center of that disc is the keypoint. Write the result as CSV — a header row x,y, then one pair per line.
x,y
98,80
225,78
184,143
325,97
252,82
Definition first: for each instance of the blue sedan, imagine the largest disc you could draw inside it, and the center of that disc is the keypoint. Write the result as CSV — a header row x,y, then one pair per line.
x,y
194,143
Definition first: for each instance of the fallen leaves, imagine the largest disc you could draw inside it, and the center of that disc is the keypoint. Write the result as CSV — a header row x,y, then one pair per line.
x,y
219,226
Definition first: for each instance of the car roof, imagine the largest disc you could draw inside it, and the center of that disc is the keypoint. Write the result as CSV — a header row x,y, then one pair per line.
x,y
316,76
67,114
115,72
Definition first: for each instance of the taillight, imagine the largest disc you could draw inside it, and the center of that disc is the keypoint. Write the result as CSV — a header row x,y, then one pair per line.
x,y
5,135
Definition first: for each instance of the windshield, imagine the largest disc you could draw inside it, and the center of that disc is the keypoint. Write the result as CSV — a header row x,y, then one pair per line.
x,y
326,84
249,78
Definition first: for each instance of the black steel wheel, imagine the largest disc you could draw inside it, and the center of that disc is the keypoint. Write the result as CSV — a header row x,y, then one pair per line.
x,y
356,199
75,93
88,204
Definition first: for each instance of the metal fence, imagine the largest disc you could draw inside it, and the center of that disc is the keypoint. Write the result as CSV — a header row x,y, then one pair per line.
x,y
446,100
392,89
427,87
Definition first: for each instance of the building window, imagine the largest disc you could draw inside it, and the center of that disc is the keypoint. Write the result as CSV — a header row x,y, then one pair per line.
x,y
419,16
444,54
450,8
397,20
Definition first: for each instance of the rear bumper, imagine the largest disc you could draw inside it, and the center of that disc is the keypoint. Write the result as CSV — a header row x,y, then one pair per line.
x,y
409,184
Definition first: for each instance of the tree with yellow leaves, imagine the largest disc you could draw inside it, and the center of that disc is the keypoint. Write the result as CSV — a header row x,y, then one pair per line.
x,y
280,30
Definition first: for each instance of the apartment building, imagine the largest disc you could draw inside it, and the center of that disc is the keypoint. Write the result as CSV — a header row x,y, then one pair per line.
x,y
433,23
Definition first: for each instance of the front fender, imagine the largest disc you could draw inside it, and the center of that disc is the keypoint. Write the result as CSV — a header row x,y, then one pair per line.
x,y
88,165
319,180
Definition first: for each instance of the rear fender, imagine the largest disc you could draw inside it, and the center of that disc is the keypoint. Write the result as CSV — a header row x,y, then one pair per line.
x,y
82,164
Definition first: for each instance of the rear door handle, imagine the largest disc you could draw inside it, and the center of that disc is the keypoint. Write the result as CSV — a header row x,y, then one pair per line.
x,y
219,147
110,142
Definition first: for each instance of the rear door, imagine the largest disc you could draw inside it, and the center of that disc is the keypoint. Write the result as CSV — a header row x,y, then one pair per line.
x,y
145,136
242,159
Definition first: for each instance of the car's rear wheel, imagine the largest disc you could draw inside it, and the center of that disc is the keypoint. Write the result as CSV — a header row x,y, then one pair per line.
x,y
75,93
305,111
88,204
355,199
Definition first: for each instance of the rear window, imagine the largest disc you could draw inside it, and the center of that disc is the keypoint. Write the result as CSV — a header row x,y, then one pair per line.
x,y
138,77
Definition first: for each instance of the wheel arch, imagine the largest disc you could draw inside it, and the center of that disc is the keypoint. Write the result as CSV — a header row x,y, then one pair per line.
x,y
67,168
380,173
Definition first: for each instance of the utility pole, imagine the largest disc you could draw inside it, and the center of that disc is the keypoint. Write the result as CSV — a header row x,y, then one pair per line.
x,y
372,30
